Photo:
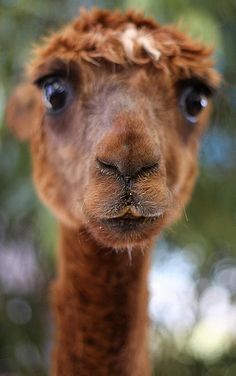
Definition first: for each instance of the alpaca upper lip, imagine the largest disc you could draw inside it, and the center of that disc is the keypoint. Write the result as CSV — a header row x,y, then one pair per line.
x,y
128,211
132,213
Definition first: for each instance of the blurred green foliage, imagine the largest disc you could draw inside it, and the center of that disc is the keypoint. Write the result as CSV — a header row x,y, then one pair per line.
x,y
210,220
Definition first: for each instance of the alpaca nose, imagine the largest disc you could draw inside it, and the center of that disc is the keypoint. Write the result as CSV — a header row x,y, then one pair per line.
x,y
130,149
126,169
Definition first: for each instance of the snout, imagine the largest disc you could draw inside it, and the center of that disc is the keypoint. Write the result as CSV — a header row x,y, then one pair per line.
x,y
129,195
128,148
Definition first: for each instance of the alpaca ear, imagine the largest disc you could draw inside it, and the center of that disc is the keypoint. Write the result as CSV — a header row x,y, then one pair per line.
x,y
22,110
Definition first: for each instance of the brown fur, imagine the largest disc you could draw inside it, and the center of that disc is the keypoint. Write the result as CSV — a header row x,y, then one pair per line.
x,y
125,112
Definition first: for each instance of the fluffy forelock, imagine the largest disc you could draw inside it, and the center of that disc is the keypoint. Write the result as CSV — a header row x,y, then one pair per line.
x,y
124,39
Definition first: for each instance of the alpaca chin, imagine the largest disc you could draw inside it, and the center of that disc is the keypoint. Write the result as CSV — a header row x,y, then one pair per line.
x,y
120,234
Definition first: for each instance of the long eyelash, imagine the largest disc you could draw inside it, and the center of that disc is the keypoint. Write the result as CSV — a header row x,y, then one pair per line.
x,y
56,74
199,84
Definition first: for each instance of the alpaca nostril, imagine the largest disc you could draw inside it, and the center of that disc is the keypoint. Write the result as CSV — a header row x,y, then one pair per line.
x,y
127,172
107,167
148,169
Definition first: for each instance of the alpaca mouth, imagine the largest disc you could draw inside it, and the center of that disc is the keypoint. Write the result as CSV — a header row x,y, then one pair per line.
x,y
129,222
130,218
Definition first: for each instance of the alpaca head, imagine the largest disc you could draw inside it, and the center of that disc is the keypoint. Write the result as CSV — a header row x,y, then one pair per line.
x,y
114,107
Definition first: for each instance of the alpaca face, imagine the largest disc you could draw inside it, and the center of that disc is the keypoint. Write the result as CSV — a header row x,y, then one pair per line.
x,y
116,151
114,145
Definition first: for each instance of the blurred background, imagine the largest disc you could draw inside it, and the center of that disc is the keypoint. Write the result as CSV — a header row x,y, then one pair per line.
x,y
193,277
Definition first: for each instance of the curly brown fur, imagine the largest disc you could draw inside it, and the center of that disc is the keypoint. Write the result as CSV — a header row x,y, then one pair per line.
x,y
116,166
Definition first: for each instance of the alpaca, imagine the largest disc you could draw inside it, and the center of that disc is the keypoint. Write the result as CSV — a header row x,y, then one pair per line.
x,y
113,106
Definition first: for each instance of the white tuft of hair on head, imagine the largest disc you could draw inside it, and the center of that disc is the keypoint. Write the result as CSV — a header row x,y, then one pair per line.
x,y
131,36
147,43
128,38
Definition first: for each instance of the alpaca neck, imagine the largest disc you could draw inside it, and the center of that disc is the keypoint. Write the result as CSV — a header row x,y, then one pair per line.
x,y
100,301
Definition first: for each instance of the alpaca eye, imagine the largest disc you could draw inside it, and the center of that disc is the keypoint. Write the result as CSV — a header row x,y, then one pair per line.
x,y
56,93
192,101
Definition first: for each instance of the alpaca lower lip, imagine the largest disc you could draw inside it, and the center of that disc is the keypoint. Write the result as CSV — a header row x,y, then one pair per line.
x,y
129,222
